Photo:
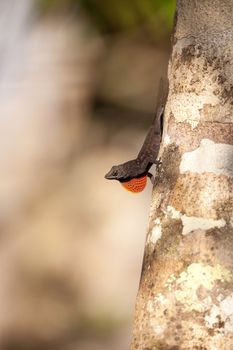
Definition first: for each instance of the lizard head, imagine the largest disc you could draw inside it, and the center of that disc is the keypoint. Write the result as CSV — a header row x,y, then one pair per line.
x,y
117,172
135,185
125,171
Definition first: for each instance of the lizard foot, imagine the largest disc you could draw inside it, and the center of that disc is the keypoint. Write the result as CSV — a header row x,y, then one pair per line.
x,y
158,164
152,179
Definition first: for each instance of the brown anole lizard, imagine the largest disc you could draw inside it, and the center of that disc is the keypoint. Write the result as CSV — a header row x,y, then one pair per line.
x,y
133,174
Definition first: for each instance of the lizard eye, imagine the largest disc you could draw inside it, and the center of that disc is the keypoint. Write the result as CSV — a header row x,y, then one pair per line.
x,y
115,173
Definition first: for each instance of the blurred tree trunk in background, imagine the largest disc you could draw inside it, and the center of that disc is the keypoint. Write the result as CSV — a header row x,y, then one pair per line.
x,y
185,298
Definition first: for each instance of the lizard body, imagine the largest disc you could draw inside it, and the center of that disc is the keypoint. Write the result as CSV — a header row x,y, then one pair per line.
x,y
133,174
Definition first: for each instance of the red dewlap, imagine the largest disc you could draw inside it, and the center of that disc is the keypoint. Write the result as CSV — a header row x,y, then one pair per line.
x,y
135,185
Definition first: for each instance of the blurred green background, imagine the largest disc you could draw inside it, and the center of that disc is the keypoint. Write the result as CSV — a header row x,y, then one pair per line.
x,y
78,85
120,16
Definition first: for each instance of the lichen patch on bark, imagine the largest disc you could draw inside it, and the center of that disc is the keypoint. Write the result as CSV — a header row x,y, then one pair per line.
x,y
189,139
167,140
209,158
198,275
188,106
192,223
155,233
221,314
167,317
203,195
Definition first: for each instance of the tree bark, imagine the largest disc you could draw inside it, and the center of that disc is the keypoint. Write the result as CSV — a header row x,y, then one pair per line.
x,y
185,298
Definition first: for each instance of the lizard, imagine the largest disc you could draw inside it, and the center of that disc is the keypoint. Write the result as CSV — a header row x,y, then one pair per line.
x,y
133,173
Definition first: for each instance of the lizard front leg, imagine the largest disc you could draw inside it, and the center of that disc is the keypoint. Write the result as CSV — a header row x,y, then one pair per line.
x,y
151,177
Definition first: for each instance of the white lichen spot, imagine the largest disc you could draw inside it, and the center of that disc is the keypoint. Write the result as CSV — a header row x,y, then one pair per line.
x,y
220,297
226,305
228,328
199,275
156,232
213,317
157,328
182,43
209,157
169,281
160,299
186,107
191,223
173,213
223,313
150,307
167,140
157,321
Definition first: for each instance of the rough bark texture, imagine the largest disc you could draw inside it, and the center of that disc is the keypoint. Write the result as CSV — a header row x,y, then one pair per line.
x,y
185,298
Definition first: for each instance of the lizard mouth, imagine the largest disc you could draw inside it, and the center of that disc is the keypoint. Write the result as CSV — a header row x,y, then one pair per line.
x,y
109,176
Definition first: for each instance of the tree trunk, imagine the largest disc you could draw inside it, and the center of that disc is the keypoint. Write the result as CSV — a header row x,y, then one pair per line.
x,y
185,298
